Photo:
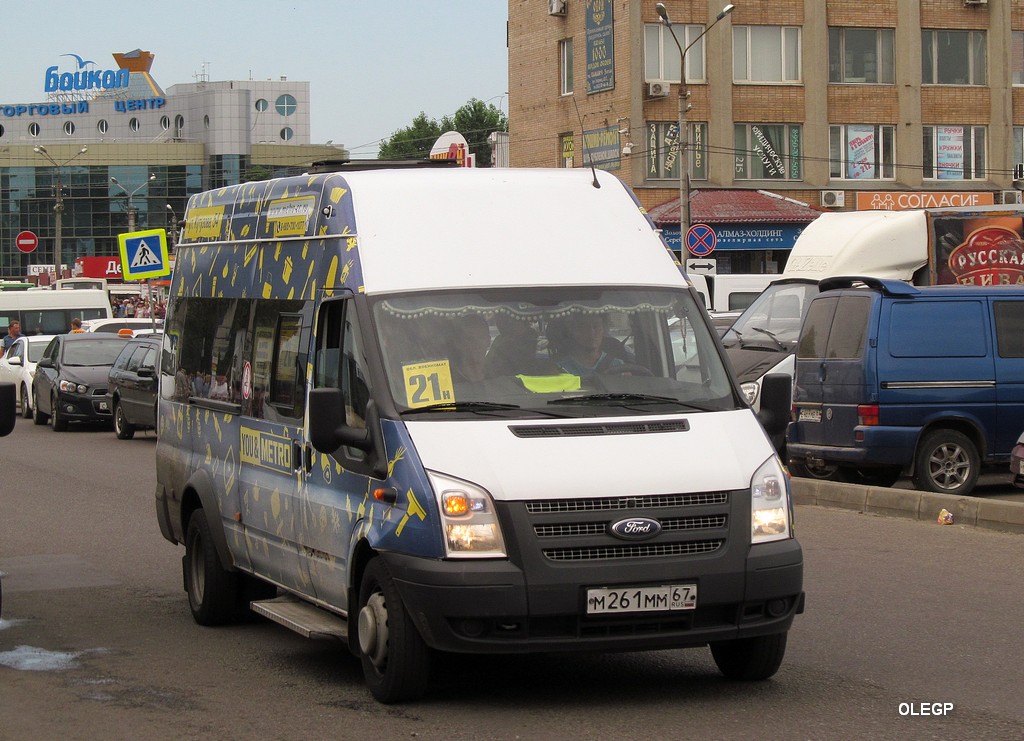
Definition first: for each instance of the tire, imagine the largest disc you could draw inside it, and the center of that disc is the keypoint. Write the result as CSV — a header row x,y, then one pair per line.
x,y
38,417
56,418
946,462
750,659
26,408
825,472
213,591
396,661
122,427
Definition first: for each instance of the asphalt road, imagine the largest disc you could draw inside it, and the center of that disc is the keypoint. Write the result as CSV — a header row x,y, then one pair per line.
x,y
903,617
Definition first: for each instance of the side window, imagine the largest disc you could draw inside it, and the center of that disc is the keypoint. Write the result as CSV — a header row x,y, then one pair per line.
x,y
341,363
136,359
1009,328
922,329
149,359
849,328
279,338
814,334
211,355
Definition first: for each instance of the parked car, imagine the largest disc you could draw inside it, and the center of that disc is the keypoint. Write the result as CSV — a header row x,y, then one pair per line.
x,y
893,378
18,366
132,386
71,379
1017,462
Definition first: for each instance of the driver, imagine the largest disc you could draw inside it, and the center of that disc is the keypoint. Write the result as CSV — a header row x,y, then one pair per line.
x,y
585,355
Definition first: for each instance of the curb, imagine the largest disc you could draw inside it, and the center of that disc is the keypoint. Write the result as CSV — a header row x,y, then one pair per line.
x,y
915,505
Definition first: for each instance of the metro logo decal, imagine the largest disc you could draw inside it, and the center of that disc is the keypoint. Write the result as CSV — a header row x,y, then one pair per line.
x,y
258,448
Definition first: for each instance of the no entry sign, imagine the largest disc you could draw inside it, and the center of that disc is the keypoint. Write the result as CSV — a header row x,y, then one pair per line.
x,y
26,241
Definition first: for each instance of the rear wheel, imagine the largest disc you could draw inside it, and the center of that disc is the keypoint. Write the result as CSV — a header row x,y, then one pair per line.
x,y
38,417
947,462
396,661
26,407
821,471
750,658
213,591
60,424
124,429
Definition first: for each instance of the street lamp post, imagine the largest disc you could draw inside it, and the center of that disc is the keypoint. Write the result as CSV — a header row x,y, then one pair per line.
x,y
58,209
174,227
683,137
129,194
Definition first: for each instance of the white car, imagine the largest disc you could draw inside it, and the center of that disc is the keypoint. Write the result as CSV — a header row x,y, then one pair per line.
x,y
116,324
18,366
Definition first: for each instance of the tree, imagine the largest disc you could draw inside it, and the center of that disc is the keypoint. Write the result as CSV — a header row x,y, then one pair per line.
x,y
475,121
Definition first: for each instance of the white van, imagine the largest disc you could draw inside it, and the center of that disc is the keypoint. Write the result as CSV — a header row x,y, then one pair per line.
x,y
51,312
428,409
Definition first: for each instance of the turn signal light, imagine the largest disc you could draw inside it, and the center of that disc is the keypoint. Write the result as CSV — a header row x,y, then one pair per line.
x,y
867,414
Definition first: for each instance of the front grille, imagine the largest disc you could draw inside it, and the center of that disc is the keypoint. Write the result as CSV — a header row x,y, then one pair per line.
x,y
561,530
647,550
609,428
540,506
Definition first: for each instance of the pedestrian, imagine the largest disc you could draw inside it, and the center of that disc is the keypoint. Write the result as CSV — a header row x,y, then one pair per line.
x,y
13,333
76,325
129,308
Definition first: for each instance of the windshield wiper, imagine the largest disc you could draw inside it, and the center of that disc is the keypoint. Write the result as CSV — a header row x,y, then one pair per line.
x,y
462,406
626,399
771,334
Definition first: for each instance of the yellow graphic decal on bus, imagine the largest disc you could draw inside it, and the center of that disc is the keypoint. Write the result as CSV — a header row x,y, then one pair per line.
x,y
204,223
289,217
263,449
428,383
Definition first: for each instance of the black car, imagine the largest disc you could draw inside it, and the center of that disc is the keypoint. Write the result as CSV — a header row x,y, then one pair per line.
x,y
71,379
132,386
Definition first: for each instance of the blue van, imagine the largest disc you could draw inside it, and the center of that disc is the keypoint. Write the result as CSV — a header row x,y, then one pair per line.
x,y
893,378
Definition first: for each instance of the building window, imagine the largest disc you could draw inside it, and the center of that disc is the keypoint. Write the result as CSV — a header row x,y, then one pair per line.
x,y
661,55
861,152
1018,143
1017,57
33,130
179,126
767,152
766,53
69,128
262,105
286,104
165,122
861,55
954,152
663,150
206,121
133,124
1,130
953,58
287,134
565,65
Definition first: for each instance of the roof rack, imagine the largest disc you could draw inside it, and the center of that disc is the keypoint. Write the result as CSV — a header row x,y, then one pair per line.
x,y
347,165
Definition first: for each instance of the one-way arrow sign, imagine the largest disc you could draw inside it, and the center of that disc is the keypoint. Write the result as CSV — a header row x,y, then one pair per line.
x,y
706,267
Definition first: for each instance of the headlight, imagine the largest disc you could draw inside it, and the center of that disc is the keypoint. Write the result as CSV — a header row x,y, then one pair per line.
x,y
750,391
769,503
71,387
471,528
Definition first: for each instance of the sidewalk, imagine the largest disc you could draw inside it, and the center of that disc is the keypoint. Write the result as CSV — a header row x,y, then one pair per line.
x,y
998,512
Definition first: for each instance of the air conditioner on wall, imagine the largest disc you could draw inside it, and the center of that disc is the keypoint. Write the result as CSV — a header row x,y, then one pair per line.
x,y
657,89
557,7
1010,196
833,198
975,2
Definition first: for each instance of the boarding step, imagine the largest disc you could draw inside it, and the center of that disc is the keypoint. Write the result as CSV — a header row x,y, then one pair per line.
x,y
305,619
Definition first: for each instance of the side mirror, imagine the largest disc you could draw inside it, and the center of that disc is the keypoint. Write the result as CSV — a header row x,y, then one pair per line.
x,y
14,361
327,428
146,372
776,403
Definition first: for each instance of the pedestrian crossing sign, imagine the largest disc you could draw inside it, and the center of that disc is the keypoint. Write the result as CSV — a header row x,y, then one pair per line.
x,y
144,254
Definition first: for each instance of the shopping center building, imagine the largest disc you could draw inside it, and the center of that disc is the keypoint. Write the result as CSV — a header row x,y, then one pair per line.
x,y
793,107
96,122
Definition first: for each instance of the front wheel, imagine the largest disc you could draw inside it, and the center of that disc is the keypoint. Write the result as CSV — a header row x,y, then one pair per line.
x,y
212,589
124,429
750,658
396,661
60,424
26,407
947,462
38,418
822,471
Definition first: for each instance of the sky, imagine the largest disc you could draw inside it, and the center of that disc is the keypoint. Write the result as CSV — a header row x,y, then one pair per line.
x,y
372,66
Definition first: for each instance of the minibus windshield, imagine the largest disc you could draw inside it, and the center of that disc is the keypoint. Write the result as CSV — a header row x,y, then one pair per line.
x,y
566,351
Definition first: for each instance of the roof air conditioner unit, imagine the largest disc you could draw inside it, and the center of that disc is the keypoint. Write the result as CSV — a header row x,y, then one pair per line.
x,y
557,7
1010,196
975,2
833,198
657,89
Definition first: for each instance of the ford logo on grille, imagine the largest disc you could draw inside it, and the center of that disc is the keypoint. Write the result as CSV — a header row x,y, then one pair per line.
x,y
636,528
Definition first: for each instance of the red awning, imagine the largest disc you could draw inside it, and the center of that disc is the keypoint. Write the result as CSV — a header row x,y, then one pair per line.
x,y
736,206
